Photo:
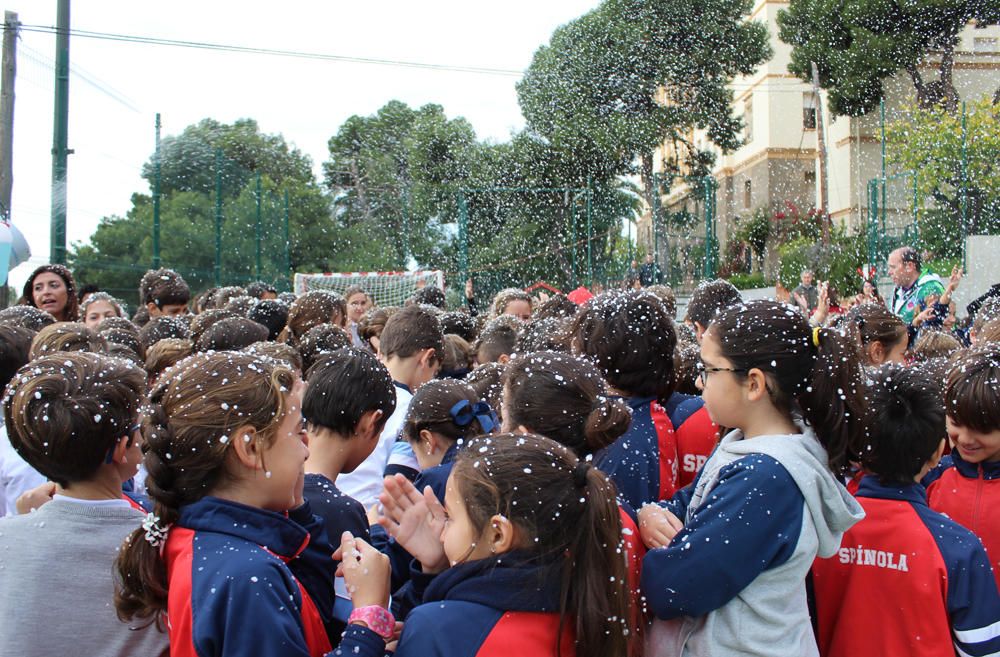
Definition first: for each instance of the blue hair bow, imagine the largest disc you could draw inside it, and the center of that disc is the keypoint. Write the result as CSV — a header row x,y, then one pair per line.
x,y
463,412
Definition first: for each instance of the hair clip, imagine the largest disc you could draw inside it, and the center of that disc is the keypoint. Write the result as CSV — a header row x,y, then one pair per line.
x,y
463,412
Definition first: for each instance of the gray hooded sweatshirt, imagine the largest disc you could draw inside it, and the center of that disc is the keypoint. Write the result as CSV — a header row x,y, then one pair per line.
x,y
732,583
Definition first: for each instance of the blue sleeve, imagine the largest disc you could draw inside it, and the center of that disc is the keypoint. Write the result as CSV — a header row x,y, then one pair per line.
x,y
359,642
678,504
749,523
411,594
314,566
973,600
935,473
451,628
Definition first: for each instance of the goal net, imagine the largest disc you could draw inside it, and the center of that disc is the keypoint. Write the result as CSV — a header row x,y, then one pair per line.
x,y
387,288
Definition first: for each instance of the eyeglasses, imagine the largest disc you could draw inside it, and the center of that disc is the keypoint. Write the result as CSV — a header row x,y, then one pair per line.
x,y
703,371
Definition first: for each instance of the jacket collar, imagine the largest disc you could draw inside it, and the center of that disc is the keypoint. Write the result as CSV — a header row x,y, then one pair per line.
x,y
913,492
975,470
273,531
514,581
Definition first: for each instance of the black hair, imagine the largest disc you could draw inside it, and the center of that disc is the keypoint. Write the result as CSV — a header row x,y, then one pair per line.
x,y
230,334
27,317
319,340
825,381
498,338
343,386
163,327
460,324
708,299
15,343
85,289
272,313
258,289
430,295
907,424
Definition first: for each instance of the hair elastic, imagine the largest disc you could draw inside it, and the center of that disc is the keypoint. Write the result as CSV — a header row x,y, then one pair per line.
x,y
816,337
580,474
156,533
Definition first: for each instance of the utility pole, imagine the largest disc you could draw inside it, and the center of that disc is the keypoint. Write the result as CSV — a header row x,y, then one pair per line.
x,y
60,137
821,143
8,68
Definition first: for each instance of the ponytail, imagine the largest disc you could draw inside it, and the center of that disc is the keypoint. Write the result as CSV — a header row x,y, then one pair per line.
x,y
815,372
568,514
594,581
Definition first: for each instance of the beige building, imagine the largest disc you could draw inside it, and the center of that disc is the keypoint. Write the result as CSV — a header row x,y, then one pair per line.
x,y
778,162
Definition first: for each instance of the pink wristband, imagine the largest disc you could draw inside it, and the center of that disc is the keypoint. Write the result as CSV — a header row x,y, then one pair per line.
x,y
378,619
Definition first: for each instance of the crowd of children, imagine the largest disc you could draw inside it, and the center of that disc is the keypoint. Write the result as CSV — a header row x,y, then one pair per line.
x,y
252,473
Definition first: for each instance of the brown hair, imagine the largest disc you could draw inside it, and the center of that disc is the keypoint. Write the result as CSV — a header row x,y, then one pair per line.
x,y
166,353
936,344
876,324
665,293
710,298
431,407
972,396
487,381
66,336
118,323
64,412
987,312
504,297
631,338
567,514
126,339
224,295
203,321
288,355
545,334
15,343
459,323
163,287
410,330
825,382
373,322
456,356
498,338
990,332
564,398
186,452
72,310
558,306
319,340
101,296
231,334
309,310
27,316
163,327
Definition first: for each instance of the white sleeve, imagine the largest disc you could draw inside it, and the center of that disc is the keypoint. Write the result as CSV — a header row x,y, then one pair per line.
x,y
16,476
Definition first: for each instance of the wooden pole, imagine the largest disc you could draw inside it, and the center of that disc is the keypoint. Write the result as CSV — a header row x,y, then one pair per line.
x,y
821,143
8,69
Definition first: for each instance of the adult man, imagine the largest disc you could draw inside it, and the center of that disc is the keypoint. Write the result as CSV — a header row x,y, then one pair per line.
x,y
914,290
806,295
649,273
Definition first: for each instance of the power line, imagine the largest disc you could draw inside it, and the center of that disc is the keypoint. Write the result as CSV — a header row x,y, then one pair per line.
x,y
87,77
202,45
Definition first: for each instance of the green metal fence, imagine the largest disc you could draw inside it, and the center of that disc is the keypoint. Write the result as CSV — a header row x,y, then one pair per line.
x,y
685,239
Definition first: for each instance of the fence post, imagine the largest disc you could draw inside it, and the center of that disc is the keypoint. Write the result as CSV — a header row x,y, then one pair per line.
x,y
572,237
288,242
218,217
590,236
463,237
965,188
654,221
156,197
257,229
710,238
873,222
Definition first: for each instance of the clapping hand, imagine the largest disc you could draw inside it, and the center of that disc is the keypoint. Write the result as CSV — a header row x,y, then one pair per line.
x,y
415,520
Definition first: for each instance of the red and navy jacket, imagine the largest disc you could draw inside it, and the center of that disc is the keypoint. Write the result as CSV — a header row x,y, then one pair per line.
x,y
663,449
903,572
495,607
969,494
246,581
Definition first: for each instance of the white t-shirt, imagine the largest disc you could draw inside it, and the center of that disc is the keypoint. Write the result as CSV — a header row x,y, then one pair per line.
x,y
16,476
365,483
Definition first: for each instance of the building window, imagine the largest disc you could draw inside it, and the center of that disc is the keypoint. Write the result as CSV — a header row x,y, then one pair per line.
x,y
810,177
809,111
747,194
748,120
985,44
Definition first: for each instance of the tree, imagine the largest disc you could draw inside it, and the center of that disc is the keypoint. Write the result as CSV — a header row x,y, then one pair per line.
x,y
617,82
858,44
120,250
393,176
928,142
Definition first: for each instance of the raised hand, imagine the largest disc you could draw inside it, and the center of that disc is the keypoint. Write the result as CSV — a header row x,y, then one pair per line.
x,y
415,520
365,571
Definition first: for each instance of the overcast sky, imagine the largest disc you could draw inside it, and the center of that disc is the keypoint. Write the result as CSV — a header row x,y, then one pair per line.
x,y
117,88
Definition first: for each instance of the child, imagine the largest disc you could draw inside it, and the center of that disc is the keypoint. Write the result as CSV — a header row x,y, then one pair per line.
x,y
631,338
16,476
358,303
514,302
66,336
410,348
525,555
883,335
225,455
72,416
497,340
709,298
98,307
734,548
312,309
934,571
164,293
443,415
347,402
969,486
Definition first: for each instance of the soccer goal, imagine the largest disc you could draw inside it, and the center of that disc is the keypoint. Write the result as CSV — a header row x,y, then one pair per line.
x,y
387,288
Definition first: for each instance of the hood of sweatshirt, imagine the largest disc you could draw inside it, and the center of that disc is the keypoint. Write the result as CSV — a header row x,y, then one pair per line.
x,y
832,508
